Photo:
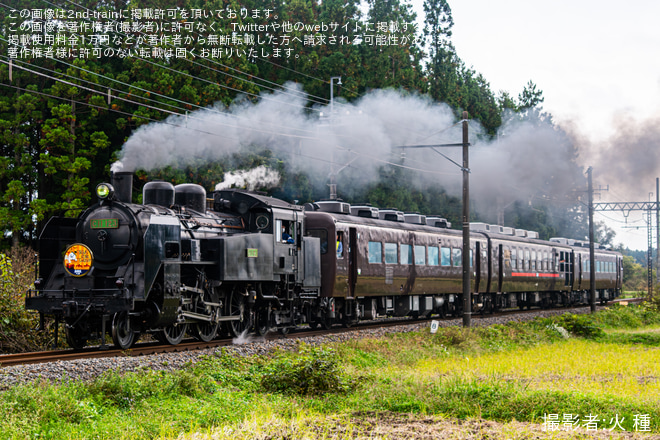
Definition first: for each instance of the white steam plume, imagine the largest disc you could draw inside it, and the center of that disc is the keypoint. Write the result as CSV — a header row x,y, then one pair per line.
x,y
362,133
259,177
628,162
529,159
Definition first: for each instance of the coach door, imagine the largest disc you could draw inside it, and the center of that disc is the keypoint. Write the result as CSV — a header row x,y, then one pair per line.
x,y
500,268
352,261
479,283
566,267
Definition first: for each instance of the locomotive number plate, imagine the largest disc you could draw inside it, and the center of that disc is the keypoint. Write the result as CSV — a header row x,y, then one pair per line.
x,y
104,223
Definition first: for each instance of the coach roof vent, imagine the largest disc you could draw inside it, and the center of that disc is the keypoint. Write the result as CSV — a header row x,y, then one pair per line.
x,y
562,240
438,222
480,227
532,234
521,233
497,229
334,206
391,215
415,219
364,211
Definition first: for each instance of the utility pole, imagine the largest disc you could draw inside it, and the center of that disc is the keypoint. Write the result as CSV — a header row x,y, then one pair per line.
x,y
465,168
467,291
592,258
333,174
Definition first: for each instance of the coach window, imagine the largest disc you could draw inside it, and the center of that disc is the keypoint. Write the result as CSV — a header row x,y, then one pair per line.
x,y
456,255
390,253
506,256
420,255
526,260
434,256
533,260
514,259
322,235
445,256
375,252
406,254
340,244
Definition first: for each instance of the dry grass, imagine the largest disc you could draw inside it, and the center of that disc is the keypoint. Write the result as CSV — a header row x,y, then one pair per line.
x,y
393,426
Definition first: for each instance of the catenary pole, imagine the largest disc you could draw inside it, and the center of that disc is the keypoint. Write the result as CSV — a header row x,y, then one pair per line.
x,y
467,291
592,264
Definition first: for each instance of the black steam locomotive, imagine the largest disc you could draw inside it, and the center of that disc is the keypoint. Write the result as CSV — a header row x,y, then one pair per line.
x,y
175,265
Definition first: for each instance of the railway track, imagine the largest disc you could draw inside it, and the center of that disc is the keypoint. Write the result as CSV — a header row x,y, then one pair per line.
x,y
149,348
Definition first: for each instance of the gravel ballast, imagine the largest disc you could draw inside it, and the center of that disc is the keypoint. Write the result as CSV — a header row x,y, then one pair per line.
x,y
88,369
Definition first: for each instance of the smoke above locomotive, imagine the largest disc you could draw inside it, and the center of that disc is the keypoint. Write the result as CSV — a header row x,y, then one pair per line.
x,y
356,139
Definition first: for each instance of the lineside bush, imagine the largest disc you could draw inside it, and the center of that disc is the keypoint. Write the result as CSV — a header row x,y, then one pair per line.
x,y
310,371
18,328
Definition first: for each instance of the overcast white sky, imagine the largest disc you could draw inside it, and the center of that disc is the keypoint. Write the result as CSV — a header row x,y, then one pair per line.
x,y
596,61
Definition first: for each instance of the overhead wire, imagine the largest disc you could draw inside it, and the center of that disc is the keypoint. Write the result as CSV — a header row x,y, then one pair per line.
x,y
371,157
213,61
173,106
184,110
284,92
254,95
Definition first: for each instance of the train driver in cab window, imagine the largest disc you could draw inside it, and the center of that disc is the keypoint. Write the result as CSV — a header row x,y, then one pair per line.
x,y
286,233
340,246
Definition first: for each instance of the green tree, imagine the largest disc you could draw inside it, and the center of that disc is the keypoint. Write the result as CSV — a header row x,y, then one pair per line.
x,y
390,65
530,97
634,275
18,171
443,63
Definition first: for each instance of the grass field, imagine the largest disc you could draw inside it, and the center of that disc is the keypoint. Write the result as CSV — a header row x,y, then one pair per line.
x,y
566,377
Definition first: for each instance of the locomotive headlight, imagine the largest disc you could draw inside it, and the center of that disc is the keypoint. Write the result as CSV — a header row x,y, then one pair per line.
x,y
104,191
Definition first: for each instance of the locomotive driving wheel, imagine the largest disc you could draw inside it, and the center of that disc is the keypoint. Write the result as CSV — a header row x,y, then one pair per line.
x,y
173,333
263,320
123,333
237,307
206,330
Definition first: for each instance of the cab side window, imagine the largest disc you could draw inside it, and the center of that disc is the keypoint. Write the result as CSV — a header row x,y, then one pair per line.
x,y
285,231
340,244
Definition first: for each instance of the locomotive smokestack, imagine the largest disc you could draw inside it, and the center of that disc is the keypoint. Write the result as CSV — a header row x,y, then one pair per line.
x,y
123,185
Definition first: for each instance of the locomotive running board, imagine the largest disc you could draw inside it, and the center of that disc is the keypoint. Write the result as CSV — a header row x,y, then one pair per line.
x,y
201,317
